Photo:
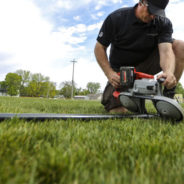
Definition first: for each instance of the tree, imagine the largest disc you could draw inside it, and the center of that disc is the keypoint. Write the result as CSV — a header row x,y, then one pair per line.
x,y
48,89
13,83
3,85
38,77
27,84
67,89
26,78
40,86
33,89
93,87
51,90
41,89
80,91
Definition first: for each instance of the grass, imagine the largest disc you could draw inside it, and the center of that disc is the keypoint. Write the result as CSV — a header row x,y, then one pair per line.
x,y
41,105
138,151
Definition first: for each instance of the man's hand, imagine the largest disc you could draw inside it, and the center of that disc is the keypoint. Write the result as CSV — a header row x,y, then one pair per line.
x,y
170,80
114,79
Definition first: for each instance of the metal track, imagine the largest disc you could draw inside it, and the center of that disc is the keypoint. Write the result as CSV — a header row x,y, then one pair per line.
x,y
83,117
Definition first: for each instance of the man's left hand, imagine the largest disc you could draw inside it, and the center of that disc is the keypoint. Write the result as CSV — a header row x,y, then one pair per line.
x,y
170,80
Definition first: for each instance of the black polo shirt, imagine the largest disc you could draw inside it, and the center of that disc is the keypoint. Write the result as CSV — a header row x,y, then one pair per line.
x,y
132,40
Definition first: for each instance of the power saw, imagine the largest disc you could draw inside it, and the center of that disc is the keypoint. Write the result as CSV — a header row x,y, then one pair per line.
x,y
137,87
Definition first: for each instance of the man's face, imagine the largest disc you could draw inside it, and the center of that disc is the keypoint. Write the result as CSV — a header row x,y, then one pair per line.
x,y
145,16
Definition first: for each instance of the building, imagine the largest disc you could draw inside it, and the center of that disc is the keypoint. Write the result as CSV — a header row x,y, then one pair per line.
x,y
3,92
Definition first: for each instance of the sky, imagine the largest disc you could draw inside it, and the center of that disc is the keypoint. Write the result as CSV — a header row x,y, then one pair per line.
x,y
44,36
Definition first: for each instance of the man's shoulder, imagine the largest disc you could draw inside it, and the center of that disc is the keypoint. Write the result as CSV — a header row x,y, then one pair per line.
x,y
121,12
164,22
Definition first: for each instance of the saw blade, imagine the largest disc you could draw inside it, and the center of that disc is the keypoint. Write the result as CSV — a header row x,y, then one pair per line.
x,y
169,108
129,103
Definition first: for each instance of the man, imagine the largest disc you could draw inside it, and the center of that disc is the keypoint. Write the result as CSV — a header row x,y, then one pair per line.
x,y
140,36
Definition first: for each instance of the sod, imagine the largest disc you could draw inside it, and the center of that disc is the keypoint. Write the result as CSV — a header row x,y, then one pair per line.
x,y
137,151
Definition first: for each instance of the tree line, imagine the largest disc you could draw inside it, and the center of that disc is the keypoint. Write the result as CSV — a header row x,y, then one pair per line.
x,y
26,84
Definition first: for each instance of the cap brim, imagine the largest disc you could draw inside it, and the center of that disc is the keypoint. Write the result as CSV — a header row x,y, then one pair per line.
x,y
155,10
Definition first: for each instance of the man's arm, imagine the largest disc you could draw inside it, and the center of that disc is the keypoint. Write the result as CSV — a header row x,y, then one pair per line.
x,y
167,63
102,59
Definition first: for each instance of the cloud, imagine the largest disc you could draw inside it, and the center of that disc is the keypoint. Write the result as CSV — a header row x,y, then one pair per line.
x,y
69,5
174,12
22,27
28,37
94,26
34,45
4,56
38,42
77,34
85,71
76,18
100,14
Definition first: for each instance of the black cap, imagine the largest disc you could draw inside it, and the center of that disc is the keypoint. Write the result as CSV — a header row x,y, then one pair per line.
x,y
157,7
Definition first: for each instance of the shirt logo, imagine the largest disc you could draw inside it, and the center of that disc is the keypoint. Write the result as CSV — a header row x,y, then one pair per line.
x,y
101,34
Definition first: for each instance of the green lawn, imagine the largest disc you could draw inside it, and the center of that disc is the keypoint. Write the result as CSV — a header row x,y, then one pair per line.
x,y
137,151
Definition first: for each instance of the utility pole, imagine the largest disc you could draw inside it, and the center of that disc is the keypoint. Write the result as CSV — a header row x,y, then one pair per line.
x,y
73,78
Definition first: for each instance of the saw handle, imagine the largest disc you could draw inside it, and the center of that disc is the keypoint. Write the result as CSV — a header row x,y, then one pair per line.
x,y
161,80
141,75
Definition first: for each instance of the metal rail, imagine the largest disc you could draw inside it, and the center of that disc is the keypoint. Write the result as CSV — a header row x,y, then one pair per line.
x,y
83,117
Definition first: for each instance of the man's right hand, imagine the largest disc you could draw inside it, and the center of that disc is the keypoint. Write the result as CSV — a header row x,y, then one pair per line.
x,y
102,59
114,79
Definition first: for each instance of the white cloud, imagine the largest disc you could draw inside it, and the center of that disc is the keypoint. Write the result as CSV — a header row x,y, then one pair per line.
x,y
64,4
94,26
66,34
174,12
76,34
30,41
71,4
100,14
28,37
85,71
89,72
76,18
23,32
